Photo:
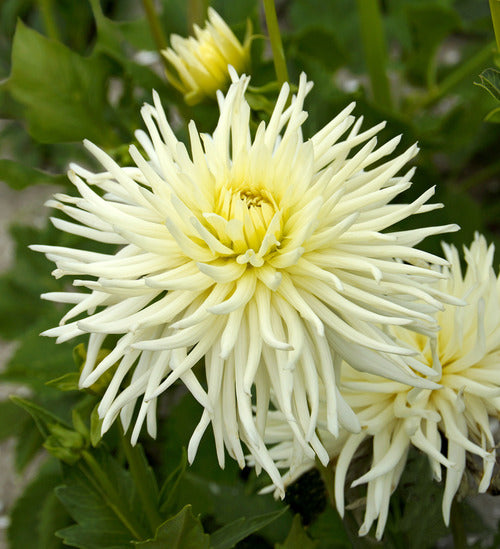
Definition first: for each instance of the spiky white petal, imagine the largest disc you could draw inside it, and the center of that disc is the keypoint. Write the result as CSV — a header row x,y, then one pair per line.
x,y
263,256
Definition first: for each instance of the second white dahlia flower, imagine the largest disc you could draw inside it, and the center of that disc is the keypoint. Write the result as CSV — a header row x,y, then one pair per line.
x,y
466,359
262,255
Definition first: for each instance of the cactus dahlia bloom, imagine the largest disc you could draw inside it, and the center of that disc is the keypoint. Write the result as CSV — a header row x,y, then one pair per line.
x,y
394,416
201,64
261,255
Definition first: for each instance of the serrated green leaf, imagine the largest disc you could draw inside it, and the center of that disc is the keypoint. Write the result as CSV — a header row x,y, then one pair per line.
x,y
297,537
229,535
19,176
35,514
184,531
64,94
490,81
208,488
100,496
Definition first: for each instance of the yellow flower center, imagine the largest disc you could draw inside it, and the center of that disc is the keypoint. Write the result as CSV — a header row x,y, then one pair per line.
x,y
251,225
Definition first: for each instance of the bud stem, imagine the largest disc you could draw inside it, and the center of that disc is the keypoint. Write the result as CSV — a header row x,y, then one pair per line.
x,y
155,26
273,31
375,48
46,8
495,16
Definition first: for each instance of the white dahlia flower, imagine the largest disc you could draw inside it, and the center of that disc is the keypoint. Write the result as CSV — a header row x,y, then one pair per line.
x,y
200,63
394,416
263,256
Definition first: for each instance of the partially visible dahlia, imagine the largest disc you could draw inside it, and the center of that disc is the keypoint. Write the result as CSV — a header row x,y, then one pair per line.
x,y
263,256
394,416
199,65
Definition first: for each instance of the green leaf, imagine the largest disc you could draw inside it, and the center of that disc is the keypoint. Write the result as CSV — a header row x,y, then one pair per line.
x,y
100,496
329,531
20,290
53,517
184,531
66,382
38,359
42,417
493,116
168,491
297,537
232,533
11,419
29,442
36,515
417,500
95,427
490,81
64,94
213,491
19,176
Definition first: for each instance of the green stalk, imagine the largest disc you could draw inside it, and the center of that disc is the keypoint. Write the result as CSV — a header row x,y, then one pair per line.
x,y
273,31
155,25
139,475
197,12
495,16
470,67
375,48
457,527
46,8
102,484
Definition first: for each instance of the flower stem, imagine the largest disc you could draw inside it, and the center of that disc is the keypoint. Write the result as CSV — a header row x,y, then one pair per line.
x,y
375,48
457,527
273,31
155,25
139,473
495,16
103,485
46,8
197,12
